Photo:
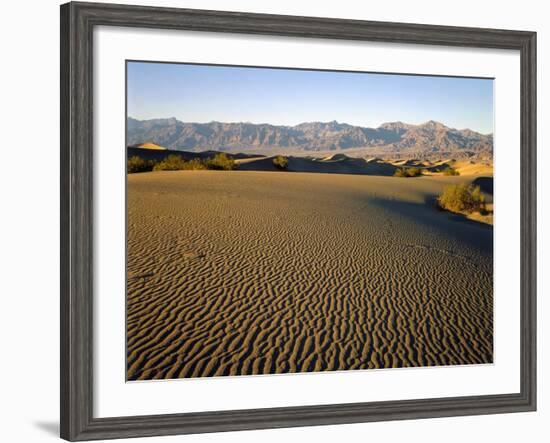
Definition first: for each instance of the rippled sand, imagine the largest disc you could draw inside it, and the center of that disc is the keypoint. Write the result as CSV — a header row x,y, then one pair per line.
x,y
239,273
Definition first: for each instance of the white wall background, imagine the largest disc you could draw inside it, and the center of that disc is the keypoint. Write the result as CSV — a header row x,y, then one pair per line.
x,y
29,188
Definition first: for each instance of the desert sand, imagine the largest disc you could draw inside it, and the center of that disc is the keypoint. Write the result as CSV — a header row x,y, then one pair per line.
x,y
251,272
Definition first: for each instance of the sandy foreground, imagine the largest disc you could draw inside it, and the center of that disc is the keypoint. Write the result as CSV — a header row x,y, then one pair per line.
x,y
245,272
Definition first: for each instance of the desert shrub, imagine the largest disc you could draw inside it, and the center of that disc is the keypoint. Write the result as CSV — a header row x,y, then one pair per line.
x,y
399,172
195,164
172,162
220,162
407,172
280,162
177,163
137,164
450,171
462,198
414,172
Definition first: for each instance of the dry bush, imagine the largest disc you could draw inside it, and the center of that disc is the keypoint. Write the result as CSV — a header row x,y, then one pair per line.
x,y
172,162
407,172
137,164
220,162
450,171
280,162
462,198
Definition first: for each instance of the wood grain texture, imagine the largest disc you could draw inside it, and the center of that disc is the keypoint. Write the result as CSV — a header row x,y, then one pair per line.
x,y
77,23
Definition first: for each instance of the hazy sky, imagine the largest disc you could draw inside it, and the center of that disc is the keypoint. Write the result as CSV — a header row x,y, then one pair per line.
x,y
198,93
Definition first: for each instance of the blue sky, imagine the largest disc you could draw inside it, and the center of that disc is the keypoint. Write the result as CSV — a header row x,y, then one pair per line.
x,y
200,93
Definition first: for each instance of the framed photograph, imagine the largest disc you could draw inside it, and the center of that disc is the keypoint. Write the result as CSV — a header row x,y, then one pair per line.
x,y
273,221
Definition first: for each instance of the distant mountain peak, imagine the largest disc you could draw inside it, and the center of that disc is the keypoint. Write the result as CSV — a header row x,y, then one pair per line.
x,y
394,125
433,123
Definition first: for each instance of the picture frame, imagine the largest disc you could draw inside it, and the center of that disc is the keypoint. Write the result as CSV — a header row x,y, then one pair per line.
x,y
77,217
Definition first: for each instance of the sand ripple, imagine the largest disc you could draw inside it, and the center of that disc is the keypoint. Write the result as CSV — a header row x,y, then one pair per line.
x,y
239,273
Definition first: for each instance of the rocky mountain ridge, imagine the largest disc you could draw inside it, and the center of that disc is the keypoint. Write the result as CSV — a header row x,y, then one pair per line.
x,y
310,137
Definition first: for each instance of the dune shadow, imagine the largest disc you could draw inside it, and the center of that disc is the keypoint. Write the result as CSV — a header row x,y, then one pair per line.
x,y
485,184
470,232
459,218
336,164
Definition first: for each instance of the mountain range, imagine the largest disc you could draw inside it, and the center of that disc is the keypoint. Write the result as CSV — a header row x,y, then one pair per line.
x,y
396,137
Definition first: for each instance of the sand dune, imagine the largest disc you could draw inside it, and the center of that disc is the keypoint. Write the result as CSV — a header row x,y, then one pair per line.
x,y
343,164
151,146
335,164
466,167
242,272
338,163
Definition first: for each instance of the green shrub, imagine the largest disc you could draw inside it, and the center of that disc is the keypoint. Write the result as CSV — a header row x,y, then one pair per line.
x,y
220,162
137,164
175,162
450,171
399,172
462,198
195,164
407,172
172,162
280,162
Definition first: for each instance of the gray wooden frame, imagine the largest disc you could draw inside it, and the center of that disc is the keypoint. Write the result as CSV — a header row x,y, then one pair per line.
x,y
77,23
